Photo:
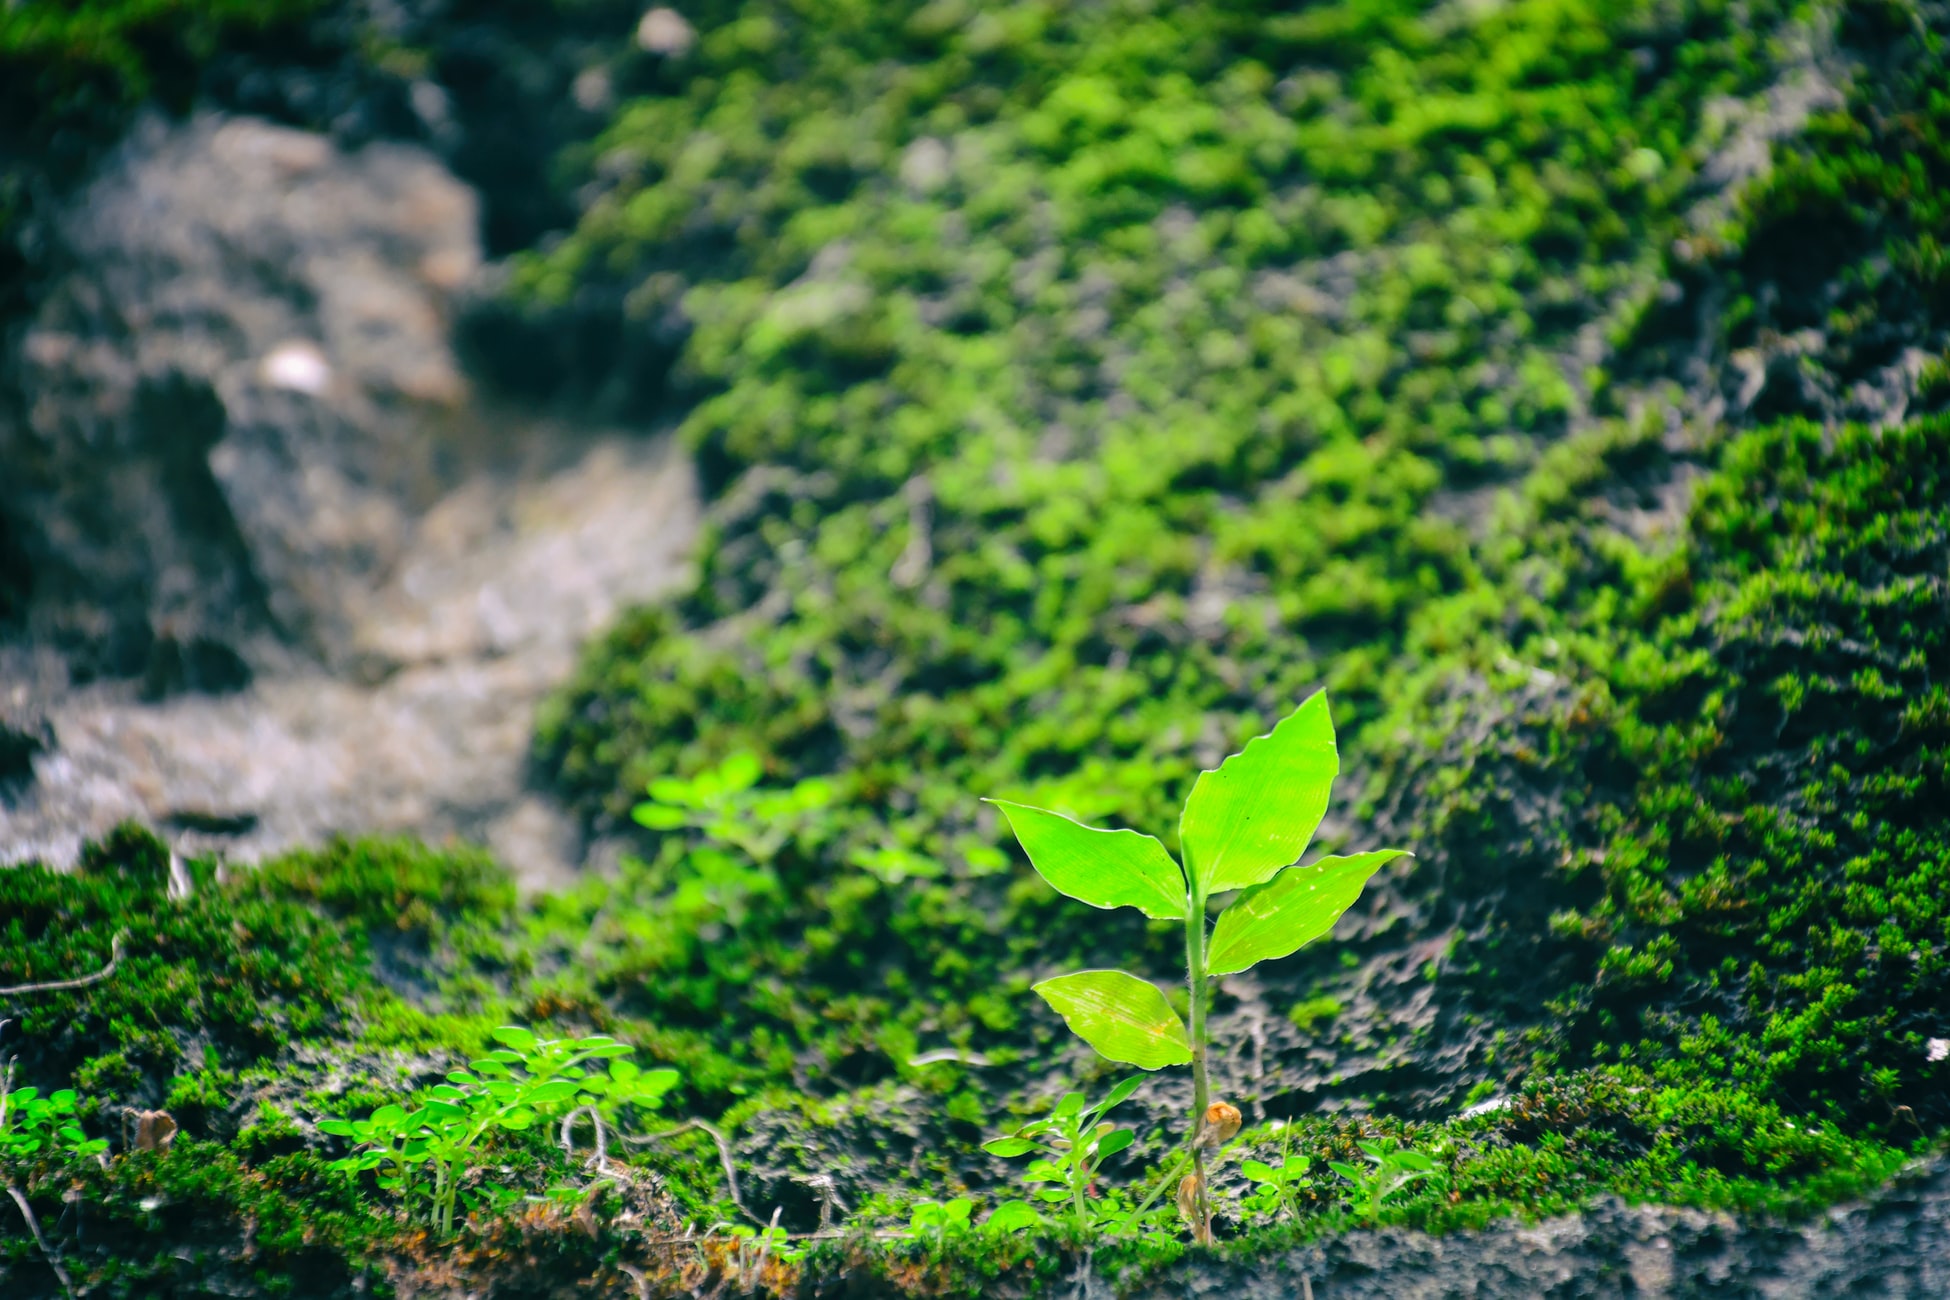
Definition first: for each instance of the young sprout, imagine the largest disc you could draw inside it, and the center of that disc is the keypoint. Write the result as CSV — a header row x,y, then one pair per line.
x,y
1244,826
1390,1169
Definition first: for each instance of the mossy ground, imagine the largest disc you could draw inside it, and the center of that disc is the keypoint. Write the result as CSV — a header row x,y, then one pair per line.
x,y
1080,387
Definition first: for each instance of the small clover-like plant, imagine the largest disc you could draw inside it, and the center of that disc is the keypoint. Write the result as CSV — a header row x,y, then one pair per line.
x,y
1071,1144
425,1149
32,1125
1389,1169
1244,827
727,806
938,1221
1276,1187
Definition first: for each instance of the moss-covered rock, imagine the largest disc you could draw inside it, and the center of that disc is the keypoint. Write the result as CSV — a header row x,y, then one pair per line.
x,y
1079,387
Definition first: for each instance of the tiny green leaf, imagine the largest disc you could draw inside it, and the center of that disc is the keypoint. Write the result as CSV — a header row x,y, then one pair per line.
x,y
1258,1171
1114,1142
1008,1148
516,1037
1291,910
740,771
1257,811
1013,1216
1102,868
670,789
1122,1016
1120,1094
660,816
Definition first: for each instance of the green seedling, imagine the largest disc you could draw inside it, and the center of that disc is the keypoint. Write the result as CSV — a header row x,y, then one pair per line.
x,y
1240,833
937,1221
1012,1216
1390,1169
726,805
1276,1188
1071,1144
32,1125
425,1149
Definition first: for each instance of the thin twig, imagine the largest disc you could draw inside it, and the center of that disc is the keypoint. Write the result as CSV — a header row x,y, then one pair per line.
x,y
765,1243
601,1158
691,1239
724,1156
114,960
34,1226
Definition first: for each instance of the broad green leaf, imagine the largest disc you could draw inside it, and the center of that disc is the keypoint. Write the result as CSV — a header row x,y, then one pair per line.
x,y
1256,813
553,1090
335,1127
1071,1103
623,1071
388,1116
1291,910
1122,1016
1258,1171
1008,1147
1098,867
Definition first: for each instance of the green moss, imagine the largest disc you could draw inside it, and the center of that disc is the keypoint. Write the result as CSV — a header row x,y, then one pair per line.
x,y
1125,376
1077,388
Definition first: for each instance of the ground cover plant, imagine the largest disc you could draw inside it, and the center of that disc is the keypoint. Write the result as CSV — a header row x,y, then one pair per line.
x,y
427,1147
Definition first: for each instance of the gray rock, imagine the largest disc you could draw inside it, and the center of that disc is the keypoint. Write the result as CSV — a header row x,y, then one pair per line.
x,y
187,488
290,574
1896,1245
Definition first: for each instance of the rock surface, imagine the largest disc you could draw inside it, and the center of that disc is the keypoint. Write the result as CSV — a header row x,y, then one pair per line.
x,y
289,574
1897,1245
